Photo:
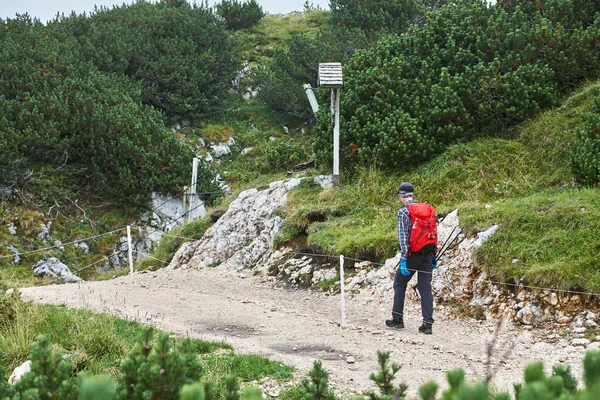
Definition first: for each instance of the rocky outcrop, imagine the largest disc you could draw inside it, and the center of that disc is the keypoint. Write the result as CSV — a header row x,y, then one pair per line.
x,y
19,372
55,269
243,236
243,239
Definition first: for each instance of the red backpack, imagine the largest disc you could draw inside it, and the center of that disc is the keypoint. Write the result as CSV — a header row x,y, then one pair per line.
x,y
424,228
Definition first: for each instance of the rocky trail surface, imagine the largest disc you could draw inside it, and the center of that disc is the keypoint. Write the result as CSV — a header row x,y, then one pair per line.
x,y
298,326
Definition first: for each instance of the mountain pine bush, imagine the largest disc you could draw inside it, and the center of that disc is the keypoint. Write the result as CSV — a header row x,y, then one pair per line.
x,y
50,377
159,370
91,111
586,155
471,70
375,15
181,54
240,14
317,388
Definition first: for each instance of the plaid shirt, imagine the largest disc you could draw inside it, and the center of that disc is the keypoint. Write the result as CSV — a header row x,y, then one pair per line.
x,y
404,228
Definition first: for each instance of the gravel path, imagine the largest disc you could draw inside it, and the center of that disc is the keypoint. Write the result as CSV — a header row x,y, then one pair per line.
x,y
299,326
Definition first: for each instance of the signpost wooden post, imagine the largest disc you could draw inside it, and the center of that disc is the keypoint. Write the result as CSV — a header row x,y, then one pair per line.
x,y
330,76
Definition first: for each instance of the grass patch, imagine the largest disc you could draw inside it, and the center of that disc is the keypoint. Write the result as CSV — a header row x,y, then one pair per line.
x,y
527,181
217,133
327,284
98,342
553,235
204,347
172,241
272,31
247,367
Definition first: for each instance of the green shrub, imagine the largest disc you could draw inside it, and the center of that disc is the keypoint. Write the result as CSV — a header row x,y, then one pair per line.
x,y
50,376
240,14
317,387
97,388
158,370
374,15
90,125
279,156
282,78
471,70
182,56
586,155
384,379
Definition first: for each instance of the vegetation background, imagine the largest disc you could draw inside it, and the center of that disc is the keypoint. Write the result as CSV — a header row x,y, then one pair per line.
x,y
489,109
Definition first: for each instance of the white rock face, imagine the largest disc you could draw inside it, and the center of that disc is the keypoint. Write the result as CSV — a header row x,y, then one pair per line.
x,y
243,236
56,269
530,315
220,150
325,181
19,372
44,233
482,237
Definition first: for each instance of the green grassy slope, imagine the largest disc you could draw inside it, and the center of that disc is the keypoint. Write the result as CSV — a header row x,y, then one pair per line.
x,y
545,220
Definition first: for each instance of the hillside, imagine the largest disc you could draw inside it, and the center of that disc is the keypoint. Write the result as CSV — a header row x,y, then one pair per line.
x,y
490,111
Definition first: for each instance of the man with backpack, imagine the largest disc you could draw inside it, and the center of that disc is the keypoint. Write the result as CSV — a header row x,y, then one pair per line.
x,y
417,234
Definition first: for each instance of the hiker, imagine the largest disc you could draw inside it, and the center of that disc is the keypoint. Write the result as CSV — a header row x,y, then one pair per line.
x,y
418,245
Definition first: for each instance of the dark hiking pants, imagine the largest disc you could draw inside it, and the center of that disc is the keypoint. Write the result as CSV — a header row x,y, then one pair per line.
x,y
421,262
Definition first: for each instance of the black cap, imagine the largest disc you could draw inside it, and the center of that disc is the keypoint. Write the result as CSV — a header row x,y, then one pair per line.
x,y
406,189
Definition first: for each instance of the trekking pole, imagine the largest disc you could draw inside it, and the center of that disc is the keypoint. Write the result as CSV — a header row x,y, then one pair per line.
x,y
416,291
443,248
448,238
443,252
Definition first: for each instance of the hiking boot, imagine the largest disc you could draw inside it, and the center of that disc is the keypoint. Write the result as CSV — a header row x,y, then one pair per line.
x,y
425,328
394,323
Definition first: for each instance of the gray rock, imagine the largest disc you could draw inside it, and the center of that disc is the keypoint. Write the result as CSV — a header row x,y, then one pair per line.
x,y
590,316
243,236
580,342
529,315
44,233
323,275
54,268
19,372
570,349
482,237
325,181
220,150
17,258
84,246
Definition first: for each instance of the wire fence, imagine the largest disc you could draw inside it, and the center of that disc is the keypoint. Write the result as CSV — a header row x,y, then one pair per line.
x,y
291,255
336,257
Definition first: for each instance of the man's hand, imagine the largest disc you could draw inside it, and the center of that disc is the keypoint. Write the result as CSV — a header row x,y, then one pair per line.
x,y
403,270
434,262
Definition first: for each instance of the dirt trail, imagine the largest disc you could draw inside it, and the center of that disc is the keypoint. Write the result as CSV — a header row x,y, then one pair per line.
x,y
299,326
